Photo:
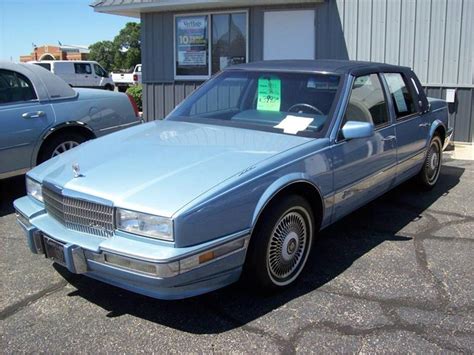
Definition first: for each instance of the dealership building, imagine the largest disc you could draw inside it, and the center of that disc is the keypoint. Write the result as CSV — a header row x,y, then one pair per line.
x,y
56,52
184,42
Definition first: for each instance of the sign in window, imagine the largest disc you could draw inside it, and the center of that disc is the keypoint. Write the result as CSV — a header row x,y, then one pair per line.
x,y
192,45
206,44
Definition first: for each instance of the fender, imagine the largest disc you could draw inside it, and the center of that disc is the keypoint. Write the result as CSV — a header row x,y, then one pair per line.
x,y
67,124
276,187
434,125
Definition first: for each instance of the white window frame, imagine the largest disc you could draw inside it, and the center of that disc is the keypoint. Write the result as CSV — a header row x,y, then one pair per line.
x,y
209,55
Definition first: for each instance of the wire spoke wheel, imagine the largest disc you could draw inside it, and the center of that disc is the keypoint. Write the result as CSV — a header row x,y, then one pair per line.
x,y
433,162
63,147
288,246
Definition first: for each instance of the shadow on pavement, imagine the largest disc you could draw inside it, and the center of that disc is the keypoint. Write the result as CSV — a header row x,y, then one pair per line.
x,y
11,189
335,250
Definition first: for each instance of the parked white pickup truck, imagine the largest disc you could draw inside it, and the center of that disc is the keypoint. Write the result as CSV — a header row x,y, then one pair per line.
x,y
123,80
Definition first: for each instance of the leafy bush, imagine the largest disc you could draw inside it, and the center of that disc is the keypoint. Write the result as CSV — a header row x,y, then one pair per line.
x,y
135,91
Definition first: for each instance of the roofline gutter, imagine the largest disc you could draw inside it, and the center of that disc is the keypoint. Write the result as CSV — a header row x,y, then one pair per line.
x,y
135,9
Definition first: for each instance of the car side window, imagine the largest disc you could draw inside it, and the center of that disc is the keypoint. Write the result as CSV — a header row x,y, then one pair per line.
x,y
47,66
82,68
99,71
15,87
402,98
367,102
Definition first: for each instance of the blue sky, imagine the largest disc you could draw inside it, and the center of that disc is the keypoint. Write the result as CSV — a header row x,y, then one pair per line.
x,y
23,22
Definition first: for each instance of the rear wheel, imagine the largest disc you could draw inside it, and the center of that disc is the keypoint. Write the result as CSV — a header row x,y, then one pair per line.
x,y
60,144
109,87
429,174
281,243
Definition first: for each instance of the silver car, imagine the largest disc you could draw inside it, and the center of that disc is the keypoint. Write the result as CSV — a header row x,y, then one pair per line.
x,y
41,116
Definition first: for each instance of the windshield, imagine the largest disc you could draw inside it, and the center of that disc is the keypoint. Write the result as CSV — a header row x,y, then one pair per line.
x,y
289,103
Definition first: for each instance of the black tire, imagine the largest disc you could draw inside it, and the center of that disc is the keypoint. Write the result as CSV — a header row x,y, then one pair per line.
x,y
48,150
277,252
109,87
429,174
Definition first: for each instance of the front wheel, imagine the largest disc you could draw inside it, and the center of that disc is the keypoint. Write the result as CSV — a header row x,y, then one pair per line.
x,y
281,243
429,173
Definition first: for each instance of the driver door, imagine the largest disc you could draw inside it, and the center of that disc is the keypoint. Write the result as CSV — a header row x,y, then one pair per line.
x,y
364,168
99,75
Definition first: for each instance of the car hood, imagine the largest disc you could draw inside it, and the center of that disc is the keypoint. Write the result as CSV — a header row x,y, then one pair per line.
x,y
161,166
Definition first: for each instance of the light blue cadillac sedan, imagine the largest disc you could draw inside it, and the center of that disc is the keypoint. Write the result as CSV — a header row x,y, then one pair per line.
x,y
238,179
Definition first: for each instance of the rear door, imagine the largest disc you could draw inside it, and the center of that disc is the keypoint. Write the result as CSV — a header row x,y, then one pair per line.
x,y
22,121
411,126
364,168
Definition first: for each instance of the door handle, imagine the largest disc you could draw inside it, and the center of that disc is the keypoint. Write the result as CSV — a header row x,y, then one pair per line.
x,y
34,114
389,138
424,124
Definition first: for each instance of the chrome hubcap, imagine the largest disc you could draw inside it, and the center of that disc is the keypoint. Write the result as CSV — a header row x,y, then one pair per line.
x,y
434,161
64,147
287,245
290,244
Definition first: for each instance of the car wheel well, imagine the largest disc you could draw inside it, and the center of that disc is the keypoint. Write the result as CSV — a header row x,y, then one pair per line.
x,y
441,132
86,133
306,190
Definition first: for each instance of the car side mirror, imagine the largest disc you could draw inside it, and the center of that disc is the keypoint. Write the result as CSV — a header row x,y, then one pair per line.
x,y
357,129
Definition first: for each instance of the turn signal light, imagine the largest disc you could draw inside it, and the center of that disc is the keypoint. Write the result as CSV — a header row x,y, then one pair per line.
x,y
204,258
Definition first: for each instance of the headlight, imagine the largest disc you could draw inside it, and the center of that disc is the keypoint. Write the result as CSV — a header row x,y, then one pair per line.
x,y
34,189
145,224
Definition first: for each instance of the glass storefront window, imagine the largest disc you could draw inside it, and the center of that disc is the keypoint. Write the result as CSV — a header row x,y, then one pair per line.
x,y
197,56
229,42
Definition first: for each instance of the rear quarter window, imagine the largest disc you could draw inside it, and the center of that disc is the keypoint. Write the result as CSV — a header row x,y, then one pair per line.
x,y
401,95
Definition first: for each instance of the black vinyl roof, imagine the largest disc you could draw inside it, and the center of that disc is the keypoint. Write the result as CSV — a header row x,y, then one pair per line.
x,y
321,65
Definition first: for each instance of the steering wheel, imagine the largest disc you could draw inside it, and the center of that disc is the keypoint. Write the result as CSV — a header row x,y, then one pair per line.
x,y
303,105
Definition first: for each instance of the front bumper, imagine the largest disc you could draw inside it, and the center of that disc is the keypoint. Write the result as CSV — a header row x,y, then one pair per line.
x,y
138,264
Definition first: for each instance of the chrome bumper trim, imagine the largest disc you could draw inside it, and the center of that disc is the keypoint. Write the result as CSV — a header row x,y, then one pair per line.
x,y
174,267
14,173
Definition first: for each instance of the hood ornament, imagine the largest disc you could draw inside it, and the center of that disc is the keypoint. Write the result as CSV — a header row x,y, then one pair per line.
x,y
76,170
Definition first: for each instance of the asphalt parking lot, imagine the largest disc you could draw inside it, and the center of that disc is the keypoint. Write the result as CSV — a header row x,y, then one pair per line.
x,y
395,276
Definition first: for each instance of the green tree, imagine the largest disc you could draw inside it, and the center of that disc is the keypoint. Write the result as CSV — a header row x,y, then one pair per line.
x,y
127,43
103,52
124,52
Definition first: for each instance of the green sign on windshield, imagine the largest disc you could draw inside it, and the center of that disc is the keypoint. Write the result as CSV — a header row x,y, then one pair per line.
x,y
269,94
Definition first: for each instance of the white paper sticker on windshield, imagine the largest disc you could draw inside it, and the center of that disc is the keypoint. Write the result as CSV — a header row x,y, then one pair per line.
x,y
294,124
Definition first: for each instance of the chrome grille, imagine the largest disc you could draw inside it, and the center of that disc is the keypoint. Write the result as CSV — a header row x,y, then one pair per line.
x,y
82,216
